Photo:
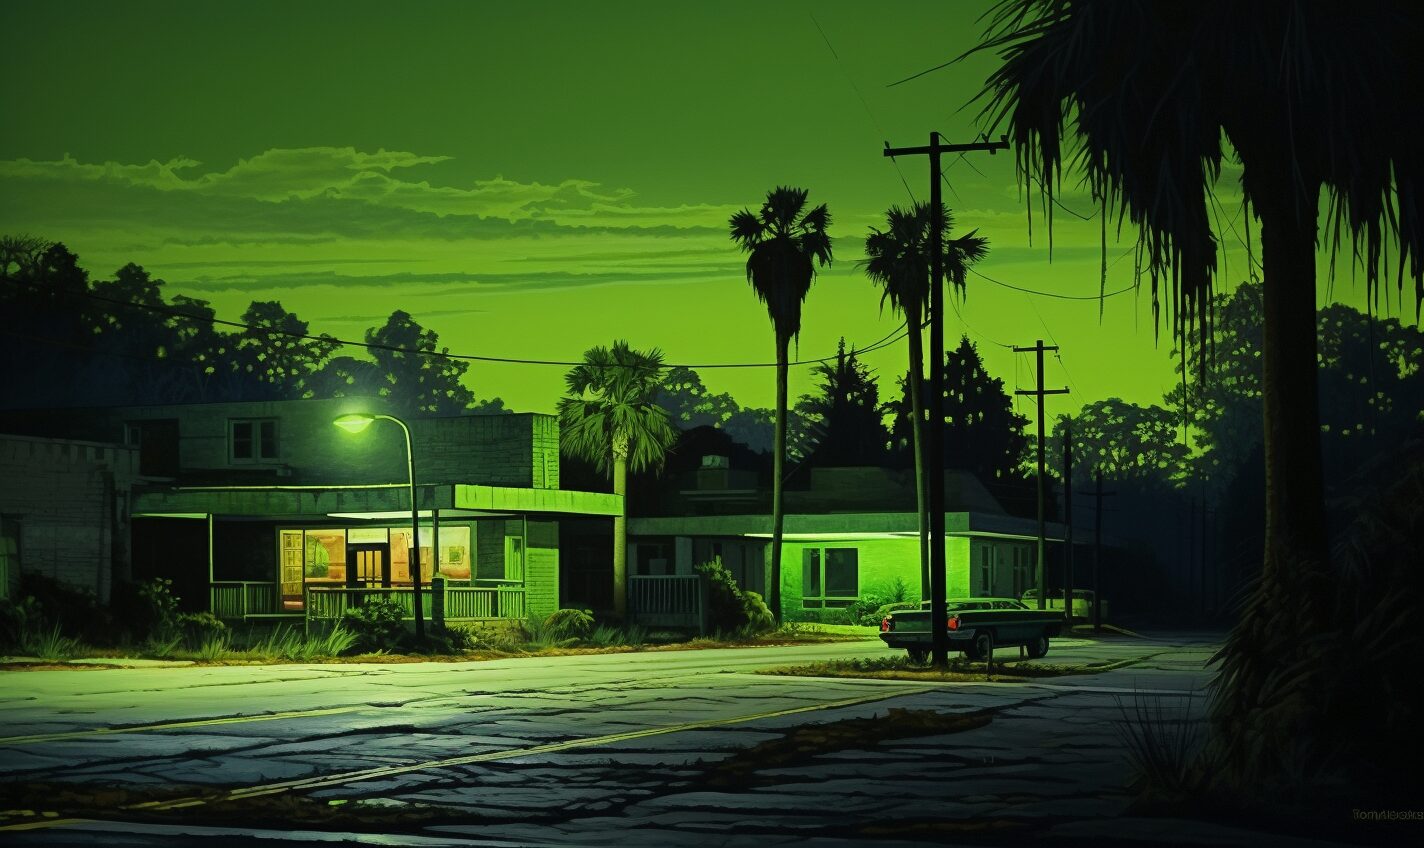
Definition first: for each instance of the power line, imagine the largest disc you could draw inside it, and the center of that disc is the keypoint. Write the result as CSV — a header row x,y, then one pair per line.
x,y
883,342
1123,290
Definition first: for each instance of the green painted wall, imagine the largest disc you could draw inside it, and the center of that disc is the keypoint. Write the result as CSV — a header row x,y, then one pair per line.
x,y
881,562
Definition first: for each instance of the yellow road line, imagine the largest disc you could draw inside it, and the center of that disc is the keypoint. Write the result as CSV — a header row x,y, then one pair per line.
x,y
173,725
370,774
39,824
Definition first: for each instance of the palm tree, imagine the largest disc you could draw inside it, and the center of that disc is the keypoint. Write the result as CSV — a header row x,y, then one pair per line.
x,y
1140,95
611,420
898,259
783,242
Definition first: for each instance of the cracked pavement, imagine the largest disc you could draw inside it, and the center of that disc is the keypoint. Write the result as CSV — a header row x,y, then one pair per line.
x,y
609,749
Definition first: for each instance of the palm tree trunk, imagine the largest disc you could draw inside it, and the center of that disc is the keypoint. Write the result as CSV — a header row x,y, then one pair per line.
x,y
778,466
1295,493
620,528
917,426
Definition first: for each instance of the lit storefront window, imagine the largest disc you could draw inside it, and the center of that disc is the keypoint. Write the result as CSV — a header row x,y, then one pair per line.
x,y
322,557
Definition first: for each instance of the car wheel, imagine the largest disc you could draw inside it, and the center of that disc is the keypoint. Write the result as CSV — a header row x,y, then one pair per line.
x,y
1038,647
982,647
918,655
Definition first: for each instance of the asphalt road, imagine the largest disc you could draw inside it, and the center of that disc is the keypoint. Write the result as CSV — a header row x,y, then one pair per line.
x,y
658,748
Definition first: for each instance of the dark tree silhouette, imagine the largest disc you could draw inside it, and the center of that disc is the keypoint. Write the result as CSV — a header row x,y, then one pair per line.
x,y
846,412
784,242
1307,96
271,358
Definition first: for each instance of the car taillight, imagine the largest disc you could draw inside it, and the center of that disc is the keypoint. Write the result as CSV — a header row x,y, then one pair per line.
x,y
887,624
953,622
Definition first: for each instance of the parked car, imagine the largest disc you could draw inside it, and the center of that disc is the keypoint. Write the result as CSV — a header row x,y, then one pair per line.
x,y
1082,602
975,626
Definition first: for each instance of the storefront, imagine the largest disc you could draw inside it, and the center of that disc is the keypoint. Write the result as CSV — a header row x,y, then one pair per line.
x,y
470,553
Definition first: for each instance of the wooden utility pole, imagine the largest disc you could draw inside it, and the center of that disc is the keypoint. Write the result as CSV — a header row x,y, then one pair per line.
x,y
934,457
1098,495
1068,524
1039,394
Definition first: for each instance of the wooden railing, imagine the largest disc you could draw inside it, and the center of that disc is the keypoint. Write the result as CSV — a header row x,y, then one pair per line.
x,y
484,602
668,601
452,602
242,598
239,599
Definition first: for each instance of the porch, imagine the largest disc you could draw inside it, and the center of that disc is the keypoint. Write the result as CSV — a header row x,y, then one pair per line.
x,y
442,602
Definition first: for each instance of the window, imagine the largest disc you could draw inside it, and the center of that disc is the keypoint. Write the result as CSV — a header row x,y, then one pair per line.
x,y
9,554
830,577
1023,569
253,440
986,569
514,558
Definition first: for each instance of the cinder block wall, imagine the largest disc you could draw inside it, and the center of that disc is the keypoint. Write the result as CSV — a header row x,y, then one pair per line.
x,y
71,500
541,567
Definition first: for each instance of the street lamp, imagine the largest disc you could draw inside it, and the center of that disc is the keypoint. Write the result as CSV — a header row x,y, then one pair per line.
x,y
355,422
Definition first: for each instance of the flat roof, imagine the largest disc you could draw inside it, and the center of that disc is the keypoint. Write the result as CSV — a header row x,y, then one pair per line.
x,y
377,501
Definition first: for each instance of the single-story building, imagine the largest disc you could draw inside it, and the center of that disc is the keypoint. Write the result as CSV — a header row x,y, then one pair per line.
x,y
266,510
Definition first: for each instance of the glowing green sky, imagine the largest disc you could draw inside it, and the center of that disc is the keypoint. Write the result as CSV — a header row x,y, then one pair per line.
x,y
530,179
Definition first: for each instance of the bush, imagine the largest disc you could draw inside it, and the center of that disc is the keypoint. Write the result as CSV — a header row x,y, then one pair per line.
x,y
867,610
729,609
607,636
200,628
570,624
291,644
377,624
50,645
146,610
19,622
75,611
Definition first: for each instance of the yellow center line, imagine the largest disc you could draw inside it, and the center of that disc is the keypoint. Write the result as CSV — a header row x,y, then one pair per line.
x,y
173,725
320,781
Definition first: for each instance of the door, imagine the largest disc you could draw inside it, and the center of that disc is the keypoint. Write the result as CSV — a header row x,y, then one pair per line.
x,y
368,565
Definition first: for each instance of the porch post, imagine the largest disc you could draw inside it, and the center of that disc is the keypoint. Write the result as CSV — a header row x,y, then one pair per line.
x,y
212,603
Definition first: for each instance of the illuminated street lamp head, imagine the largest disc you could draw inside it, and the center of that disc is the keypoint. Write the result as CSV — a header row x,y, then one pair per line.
x,y
354,422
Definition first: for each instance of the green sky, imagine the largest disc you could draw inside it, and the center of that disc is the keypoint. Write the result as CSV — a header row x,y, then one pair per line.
x,y
531,179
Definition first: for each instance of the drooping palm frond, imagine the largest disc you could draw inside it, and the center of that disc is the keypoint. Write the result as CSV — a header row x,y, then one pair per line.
x,y
1140,96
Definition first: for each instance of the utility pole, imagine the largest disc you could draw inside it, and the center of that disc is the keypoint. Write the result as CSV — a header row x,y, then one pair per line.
x,y
935,455
1098,495
1039,394
1068,524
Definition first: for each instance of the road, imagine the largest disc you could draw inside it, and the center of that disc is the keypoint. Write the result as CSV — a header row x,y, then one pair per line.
x,y
657,748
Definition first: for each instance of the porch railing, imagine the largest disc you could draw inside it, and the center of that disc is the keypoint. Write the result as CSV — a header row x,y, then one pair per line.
x,y
239,599
242,598
668,601
437,604
484,602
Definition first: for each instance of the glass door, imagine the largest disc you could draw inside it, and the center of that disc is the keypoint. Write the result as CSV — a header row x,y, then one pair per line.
x,y
368,565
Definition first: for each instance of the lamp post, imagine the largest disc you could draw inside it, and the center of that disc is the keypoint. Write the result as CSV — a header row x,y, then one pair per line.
x,y
356,422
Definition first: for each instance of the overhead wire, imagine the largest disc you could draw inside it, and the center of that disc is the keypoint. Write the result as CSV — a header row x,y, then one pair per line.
x,y
883,342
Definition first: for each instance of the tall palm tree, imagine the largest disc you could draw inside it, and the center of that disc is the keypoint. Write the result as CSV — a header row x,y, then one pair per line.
x,y
1309,95
784,242
611,419
898,259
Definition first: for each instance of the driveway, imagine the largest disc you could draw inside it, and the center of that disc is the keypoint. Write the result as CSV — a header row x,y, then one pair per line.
x,y
614,749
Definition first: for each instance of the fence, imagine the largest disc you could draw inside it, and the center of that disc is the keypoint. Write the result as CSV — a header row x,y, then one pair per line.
x,y
668,601
242,598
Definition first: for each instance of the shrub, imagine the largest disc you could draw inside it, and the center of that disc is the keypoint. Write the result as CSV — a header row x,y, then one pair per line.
x,y
214,646
145,610
51,645
291,644
75,611
570,624
867,610
377,623
200,628
729,609
607,636
19,621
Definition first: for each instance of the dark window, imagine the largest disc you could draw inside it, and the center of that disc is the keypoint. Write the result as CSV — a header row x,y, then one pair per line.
x,y
253,440
829,577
